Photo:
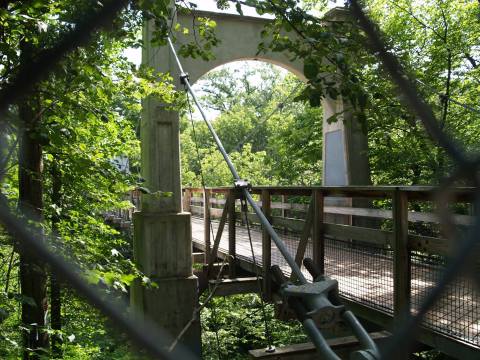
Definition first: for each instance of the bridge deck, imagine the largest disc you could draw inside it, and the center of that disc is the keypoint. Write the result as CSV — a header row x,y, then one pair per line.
x,y
365,275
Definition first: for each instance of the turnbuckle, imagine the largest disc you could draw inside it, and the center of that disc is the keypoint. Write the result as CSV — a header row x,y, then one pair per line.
x,y
321,296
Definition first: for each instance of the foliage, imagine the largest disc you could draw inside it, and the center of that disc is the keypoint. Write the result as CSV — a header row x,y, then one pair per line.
x,y
438,50
89,110
436,42
266,134
239,323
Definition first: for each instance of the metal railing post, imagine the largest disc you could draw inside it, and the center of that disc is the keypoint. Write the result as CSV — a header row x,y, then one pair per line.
x,y
318,240
401,261
231,234
266,245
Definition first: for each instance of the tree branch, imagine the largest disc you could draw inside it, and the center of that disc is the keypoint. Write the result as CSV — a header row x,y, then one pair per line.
x,y
36,69
416,18
471,60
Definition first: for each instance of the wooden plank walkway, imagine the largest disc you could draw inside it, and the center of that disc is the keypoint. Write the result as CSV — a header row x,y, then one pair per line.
x,y
365,275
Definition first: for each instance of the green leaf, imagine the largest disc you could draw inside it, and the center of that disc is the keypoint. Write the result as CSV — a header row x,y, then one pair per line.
x,y
238,6
310,69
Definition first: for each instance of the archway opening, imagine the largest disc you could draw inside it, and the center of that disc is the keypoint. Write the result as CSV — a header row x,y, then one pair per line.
x,y
272,138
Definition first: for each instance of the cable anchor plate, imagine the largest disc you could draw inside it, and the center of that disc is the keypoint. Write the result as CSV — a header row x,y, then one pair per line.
x,y
322,295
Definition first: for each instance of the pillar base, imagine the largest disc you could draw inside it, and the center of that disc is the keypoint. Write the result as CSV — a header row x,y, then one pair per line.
x,y
163,252
170,306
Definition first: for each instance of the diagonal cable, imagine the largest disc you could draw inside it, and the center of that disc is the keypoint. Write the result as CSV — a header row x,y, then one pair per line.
x,y
217,282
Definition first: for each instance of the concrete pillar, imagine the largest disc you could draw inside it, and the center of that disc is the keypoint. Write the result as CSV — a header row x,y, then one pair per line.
x,y
345,147
345,159
162,246
162,235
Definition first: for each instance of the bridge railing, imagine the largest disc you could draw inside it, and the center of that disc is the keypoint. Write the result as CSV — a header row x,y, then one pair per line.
x,y
123,218
385,245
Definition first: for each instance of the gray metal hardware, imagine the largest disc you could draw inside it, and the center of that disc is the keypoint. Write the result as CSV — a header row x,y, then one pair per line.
x,y
325,315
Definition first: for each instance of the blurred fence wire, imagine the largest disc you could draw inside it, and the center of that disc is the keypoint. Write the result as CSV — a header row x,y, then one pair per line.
x,y
145,334
466,169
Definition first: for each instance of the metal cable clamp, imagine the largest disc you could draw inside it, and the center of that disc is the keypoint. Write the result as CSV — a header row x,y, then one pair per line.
x,y
318,306
326,315
242,184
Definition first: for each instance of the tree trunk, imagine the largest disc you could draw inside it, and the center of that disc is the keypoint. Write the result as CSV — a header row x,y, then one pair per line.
x,y
32,269
55,284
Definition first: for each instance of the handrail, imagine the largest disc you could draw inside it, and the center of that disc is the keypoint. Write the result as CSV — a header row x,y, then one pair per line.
x,y
414,216
401,243
425,193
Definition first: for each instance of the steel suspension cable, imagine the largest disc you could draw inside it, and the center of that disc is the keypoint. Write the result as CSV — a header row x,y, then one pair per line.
x,y
199,308
268,227
449,98
268,334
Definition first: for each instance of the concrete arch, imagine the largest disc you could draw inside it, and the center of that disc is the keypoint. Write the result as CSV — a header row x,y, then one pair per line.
x,y
344,148
239,37
263,59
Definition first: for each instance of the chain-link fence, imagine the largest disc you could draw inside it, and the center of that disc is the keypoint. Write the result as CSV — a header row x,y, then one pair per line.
x,y
443,289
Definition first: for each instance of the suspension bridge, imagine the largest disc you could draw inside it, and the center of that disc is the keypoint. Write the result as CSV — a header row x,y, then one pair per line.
x,y
377,263
358,246
327,255
366,261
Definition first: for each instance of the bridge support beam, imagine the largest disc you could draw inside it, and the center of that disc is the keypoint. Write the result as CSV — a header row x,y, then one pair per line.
x,y
163,235
345,147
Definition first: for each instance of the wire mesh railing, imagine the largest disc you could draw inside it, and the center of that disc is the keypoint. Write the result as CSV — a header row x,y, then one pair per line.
x,y
360,247
457,312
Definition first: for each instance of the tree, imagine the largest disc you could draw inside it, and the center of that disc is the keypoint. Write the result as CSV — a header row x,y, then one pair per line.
x,y
261,123
437,49
436,42
84,116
